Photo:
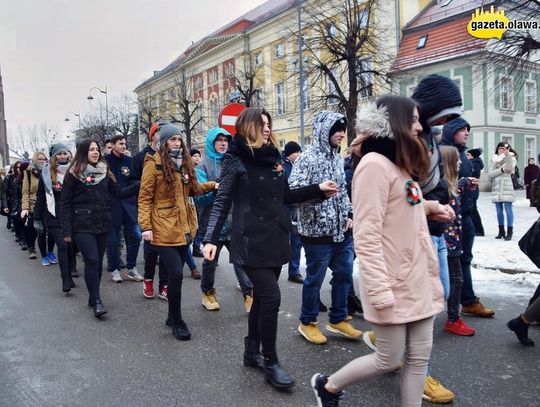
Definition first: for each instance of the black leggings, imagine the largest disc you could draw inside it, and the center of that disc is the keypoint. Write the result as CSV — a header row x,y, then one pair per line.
x,y
66,257
92,247
174,258
262,322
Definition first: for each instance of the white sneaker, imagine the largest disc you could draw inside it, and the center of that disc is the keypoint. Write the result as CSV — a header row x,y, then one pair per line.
x,y
133,274
116,277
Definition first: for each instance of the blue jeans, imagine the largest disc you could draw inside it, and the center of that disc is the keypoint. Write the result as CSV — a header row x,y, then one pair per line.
x,y
209,273
338,257
509,213
296,248
133,241
439,243
189,259
468,297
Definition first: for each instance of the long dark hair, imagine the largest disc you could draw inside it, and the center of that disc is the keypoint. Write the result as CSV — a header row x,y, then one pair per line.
x,y
80,161
169,171
411,152
23,166
249,126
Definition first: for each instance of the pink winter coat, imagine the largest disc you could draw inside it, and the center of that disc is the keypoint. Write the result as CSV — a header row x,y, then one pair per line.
x,y
399,271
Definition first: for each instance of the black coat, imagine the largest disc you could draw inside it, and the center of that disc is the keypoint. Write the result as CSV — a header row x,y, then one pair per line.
x,y
258,187
6,191
121,168
41,213
87,208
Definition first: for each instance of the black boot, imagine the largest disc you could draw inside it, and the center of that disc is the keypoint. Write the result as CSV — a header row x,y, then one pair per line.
x,y
67,282
521,329
252,356
501,233
99,309
274,373
354,304
181,331
509,233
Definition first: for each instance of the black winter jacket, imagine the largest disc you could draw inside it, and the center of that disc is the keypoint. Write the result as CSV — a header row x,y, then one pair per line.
x,y
257,185
6,191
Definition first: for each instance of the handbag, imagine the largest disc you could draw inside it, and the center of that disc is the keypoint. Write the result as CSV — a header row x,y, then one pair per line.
x,y
530,243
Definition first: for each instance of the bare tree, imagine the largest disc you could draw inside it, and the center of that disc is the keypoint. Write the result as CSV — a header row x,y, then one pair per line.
x,y
34,138
148,111
186,110
247,82
124,121
344,55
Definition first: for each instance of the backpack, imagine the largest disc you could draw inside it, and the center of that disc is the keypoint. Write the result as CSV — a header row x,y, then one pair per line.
x,y
535,193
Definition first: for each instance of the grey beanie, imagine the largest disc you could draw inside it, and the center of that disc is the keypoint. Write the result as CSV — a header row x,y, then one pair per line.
x,y
166,131
57,148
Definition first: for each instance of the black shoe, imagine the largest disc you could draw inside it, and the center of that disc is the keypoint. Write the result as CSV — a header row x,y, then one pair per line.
x,y
196,252
324,397
521,329
181,331
501,233
252,356
322,307
354,305
74,273
275,375
99,309
297,278
509,233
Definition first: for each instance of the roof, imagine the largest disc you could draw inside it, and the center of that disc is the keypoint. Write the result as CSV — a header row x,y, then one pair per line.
x,y
229,31
445,29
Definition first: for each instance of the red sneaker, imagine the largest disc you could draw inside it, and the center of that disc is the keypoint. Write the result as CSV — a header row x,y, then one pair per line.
x,y
163,293
148,288
458,328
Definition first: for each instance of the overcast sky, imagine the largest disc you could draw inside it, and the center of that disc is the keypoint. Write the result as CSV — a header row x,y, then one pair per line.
x,y
53,51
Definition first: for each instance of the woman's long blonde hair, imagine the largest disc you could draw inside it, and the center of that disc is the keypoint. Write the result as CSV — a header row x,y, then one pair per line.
x,y
250,125
450,158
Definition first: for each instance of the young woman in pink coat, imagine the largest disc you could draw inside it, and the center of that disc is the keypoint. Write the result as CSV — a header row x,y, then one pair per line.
x,y
399,274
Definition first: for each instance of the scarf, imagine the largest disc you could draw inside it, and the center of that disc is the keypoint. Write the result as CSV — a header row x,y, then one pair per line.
x,y
176,157
61,171
92,175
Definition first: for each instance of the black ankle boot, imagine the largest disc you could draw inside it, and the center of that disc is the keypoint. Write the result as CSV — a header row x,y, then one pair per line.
x,y
509,233
275,375
99,309
501,233
252,356
354,304
521,329
181,331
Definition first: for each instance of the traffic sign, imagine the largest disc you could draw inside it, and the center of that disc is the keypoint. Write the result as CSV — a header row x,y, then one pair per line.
x,y
228,116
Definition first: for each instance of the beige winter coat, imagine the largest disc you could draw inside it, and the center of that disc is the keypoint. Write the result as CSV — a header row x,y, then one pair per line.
x,y
399,271
502,188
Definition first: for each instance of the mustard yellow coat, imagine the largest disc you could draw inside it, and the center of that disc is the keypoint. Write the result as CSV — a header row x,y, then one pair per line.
x,y
173,222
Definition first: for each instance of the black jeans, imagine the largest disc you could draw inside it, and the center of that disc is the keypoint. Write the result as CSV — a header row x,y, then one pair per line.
x,y
92,247
456,281
174,258
262,322
66,257
150,261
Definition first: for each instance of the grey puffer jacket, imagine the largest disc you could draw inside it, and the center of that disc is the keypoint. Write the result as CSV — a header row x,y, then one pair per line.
x,y
502,189
321,162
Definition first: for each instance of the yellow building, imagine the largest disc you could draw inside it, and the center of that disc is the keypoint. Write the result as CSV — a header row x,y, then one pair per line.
x,y
262,46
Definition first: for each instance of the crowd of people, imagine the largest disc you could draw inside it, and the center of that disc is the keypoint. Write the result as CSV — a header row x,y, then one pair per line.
x,y
403,202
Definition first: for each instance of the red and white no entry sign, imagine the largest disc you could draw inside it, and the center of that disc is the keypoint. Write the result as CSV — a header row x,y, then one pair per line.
x,y
228,116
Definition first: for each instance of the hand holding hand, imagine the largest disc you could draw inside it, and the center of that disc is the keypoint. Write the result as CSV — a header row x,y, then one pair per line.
x,y
209,251
148,235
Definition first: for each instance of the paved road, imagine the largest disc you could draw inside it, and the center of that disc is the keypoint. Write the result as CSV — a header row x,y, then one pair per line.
x,y
53,352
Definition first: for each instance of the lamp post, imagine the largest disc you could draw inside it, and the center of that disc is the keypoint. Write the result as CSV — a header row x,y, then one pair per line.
x,y
300,72
90,97
74,114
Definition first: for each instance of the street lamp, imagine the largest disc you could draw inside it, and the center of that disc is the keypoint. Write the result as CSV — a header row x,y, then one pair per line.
x,y
90,97
74,114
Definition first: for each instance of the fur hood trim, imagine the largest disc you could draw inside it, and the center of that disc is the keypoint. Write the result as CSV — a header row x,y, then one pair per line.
x,y
373,122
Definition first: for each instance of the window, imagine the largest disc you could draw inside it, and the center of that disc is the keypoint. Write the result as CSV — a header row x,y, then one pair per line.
x,y
279,50
258,58
213,76
365,78
257,99
282,143
306,93
363,18
229,70
506,93
198,83
280,98
422,42
530,148
508,139
331,87
530,97
459,84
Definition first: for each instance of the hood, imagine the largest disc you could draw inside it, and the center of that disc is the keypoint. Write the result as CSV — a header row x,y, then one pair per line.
x,y
211,138
449,130
322,124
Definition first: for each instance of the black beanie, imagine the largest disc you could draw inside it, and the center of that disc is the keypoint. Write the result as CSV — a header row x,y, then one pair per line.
x,y
475,152
438,96
340,125
291,147
193,151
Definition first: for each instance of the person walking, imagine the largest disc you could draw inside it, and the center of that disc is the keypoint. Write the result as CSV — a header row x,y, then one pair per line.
x,y
216,145
16,203
503,195
7,186
167,218
477,166
529,174
400,286
253,182
47,212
